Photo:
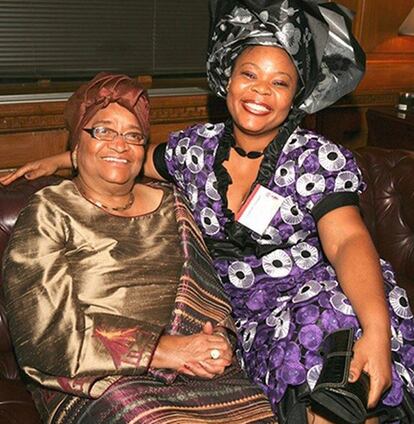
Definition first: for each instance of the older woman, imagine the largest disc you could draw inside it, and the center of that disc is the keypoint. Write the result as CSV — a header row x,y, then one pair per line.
x,y
110,291
278,206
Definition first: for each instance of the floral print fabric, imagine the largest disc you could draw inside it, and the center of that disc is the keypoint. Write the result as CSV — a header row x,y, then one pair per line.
x,y
285,297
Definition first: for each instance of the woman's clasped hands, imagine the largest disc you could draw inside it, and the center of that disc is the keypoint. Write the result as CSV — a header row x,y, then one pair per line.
x,y
205,354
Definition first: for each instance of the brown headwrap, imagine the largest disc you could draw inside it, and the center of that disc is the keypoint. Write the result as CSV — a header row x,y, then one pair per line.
x,y
103,89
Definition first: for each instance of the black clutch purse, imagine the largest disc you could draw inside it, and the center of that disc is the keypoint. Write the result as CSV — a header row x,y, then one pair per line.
x,y
334,397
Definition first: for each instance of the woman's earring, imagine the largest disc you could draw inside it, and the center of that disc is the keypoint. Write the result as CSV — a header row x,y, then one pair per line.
x,y
74,157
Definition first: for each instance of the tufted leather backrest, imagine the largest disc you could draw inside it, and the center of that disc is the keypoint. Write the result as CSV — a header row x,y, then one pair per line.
x,y
387,207
12,199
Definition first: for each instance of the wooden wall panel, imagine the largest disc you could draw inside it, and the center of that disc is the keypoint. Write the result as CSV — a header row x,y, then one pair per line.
x,y
377,20
389,70
390,57
385,76
35,129
20,147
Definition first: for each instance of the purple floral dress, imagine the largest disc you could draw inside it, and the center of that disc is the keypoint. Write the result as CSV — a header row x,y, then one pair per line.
x,y
284,293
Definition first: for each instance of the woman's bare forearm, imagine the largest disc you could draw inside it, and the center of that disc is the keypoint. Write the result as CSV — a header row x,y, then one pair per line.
x,y
359,272
39,168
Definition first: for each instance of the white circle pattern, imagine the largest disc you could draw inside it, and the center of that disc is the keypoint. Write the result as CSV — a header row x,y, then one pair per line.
x,y
294,141
340,303
249,334
211,190
241,275
396,339
346,181
309,184
331,158
273,318
182,149
405,376
270,236
168,153
285,174
195,159
313,375
277,264
210,130
282,326
297,237
305,255
399,302
290,212
308,291
304,156
209,221
192,191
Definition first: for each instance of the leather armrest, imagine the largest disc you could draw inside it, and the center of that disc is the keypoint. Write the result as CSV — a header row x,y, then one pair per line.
x,y
16,404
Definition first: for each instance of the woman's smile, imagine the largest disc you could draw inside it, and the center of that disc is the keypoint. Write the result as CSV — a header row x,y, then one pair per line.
x,y
256,107
115,160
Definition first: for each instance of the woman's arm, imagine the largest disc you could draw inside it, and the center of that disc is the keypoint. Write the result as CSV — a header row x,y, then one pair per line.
x,y
150,170
57,336
51,164
49,321
349,248
39,168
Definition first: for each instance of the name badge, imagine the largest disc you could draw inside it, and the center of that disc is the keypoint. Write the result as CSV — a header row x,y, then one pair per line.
x,y
259,209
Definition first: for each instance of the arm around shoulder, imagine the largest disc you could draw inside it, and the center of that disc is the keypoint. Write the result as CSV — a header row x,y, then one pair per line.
x,y
39,168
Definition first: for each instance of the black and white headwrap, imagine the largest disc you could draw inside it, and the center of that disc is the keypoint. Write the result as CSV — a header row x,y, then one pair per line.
x,y
318,38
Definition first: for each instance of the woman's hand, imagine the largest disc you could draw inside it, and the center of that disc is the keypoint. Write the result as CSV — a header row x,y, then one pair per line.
x,y
191,355
210,367
372,354
350,250
38,168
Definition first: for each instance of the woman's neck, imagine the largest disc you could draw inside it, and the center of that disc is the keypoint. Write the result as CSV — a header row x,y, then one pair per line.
x,y
252,142
114,198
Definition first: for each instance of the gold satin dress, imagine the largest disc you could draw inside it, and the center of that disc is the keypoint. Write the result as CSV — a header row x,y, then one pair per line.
x,y
88,296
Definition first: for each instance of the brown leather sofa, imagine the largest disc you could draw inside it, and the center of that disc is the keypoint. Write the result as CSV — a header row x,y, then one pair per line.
x,y
387,207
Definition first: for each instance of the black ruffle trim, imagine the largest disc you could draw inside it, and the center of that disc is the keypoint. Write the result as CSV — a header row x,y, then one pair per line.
x,y
238,242
222,155
273,150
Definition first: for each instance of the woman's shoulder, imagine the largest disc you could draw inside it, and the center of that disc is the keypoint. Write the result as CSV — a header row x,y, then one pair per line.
x,y
304,142
54,194
46,204
155,185
153,194
171,192
198,131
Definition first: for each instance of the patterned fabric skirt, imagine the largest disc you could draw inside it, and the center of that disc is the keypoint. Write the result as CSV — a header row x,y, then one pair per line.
x,y
280,343
230,398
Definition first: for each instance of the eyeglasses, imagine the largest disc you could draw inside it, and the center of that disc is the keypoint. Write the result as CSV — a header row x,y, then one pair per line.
x,y
108,134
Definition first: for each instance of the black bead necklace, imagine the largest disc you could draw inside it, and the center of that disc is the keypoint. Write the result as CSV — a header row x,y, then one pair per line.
x,y
249,155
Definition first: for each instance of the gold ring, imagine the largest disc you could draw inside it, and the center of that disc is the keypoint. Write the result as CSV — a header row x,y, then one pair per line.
x,y
214,353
